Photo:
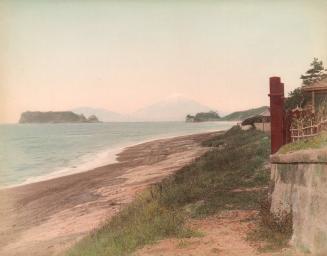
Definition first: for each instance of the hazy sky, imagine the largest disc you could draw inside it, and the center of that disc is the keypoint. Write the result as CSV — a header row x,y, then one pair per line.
x,y
123,55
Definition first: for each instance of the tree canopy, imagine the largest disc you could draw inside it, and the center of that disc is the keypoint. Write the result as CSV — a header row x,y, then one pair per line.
x,y
316,73
296,98
203,117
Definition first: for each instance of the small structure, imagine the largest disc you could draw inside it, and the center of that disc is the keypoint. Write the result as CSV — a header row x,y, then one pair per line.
x,y
312,119
317,93
260,122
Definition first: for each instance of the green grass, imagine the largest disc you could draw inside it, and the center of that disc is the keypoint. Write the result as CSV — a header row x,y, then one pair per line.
x,y
317,142
143,222
205,187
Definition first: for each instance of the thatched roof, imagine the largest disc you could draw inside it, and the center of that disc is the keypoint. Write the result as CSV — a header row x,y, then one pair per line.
x,y
257,118
265,113
252,120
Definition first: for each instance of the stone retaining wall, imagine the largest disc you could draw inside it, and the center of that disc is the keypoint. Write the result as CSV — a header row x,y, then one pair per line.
x,y
299,184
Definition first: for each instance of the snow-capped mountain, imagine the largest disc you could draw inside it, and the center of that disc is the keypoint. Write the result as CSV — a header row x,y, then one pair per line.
x,y
173,108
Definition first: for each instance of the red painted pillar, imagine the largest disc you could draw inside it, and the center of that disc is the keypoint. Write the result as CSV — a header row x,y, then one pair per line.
x,y
277,113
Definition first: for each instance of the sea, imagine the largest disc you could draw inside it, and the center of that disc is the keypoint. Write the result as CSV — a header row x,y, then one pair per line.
x,y
36,152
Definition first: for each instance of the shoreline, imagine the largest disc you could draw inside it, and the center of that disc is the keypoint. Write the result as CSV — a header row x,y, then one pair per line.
x,y
111,158
47,217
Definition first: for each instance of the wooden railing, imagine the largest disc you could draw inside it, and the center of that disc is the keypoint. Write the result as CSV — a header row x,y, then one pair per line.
x,y
305,124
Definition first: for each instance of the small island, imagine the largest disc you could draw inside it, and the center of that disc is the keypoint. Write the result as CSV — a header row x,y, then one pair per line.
x,y
55,117
203,117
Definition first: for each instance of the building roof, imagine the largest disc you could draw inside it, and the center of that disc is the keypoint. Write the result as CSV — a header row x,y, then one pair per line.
x,y
265,113
257,118
319,86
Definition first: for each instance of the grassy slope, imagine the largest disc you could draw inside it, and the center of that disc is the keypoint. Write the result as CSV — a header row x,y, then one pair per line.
x,y
242,115
205,187
317,142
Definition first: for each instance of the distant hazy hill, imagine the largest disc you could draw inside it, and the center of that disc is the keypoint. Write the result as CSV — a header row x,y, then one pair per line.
x,y
173,108
242,115
103,114
55,117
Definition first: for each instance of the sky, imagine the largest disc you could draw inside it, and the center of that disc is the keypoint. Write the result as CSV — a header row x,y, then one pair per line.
x,y
124,55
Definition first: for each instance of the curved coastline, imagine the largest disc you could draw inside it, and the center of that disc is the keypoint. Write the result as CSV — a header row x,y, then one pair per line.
x,y
47,217
100,159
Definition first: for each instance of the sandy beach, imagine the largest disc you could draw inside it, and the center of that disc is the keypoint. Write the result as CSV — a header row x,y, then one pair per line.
x,y
46,218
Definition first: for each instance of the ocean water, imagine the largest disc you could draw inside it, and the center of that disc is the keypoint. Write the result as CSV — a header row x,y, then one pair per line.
x,y
34,152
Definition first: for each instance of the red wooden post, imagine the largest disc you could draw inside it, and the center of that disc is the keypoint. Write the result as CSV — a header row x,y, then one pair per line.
x,y
277,113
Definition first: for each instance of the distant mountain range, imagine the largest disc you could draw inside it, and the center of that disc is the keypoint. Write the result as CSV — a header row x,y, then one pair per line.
x,y
103,114
173,108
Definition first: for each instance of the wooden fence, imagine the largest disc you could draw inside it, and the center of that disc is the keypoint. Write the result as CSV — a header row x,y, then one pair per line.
x,y
305,124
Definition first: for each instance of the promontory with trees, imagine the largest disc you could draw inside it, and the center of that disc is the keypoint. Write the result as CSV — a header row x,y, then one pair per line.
x,y
235,116
203,117
56,117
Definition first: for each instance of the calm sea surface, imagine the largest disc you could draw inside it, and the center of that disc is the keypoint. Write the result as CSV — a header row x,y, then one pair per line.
x,y
33,152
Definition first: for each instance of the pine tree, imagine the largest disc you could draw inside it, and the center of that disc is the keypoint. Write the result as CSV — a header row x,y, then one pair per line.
x,y
316,73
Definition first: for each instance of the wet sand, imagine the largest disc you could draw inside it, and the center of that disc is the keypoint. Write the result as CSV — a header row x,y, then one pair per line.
x,y
46,218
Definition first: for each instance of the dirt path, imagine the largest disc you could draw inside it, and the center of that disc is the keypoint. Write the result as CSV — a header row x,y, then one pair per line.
x,y
47,217
224,234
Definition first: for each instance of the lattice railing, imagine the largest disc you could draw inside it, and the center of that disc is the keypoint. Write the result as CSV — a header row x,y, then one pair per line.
x,y
305,124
